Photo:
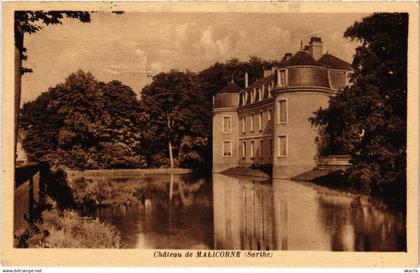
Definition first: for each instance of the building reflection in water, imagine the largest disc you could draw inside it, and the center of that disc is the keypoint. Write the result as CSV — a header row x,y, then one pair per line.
x,y
244,215
260,214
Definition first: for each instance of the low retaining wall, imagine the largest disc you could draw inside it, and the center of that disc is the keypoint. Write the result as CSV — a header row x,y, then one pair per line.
x,y
122,173
27,195
334,162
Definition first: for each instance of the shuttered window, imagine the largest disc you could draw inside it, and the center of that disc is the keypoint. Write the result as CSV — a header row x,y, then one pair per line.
x,y
282,111
244,149
227,149
252,149
282,147
261,149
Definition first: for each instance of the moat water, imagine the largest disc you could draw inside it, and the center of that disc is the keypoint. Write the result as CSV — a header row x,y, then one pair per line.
x,y
232,212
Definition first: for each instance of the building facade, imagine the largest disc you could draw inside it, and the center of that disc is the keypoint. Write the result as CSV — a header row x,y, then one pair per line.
x,y
267,123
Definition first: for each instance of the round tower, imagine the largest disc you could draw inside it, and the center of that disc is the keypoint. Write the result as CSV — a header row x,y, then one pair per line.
x,y
226,128
303,87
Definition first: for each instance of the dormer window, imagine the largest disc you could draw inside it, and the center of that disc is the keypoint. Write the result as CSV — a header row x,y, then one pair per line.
x,y
282,77
266,90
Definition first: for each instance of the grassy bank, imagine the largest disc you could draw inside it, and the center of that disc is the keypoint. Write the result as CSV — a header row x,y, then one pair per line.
x,y
57,220
67,229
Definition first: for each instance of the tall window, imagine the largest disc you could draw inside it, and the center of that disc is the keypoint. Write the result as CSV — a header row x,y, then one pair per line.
x,y
260,121
282,147
252,149
244,149
226,125
227,149
261,149
244,124
252,95
261,92
252,123
282,112
270,148
269,114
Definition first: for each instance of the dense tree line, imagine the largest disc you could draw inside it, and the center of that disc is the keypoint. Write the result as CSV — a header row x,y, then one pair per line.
x,y
369,119
86,124
83,123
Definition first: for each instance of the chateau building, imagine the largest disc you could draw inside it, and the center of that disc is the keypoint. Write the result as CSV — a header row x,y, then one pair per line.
x,y
267,123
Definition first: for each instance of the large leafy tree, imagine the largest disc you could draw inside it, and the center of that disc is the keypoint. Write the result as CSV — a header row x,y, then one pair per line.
x,y
368,119
83,123
174,107
31,22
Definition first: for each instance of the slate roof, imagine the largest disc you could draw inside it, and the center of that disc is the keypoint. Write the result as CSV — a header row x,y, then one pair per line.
x,y
302,58
330,61
231,87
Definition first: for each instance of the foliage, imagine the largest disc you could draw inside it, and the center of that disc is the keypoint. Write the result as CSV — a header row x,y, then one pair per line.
x,y
219,74
83,123
174,106
69,230
368,119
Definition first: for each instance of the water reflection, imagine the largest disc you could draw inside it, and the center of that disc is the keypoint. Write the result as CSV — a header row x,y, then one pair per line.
x,y
284,215
175,212
234,212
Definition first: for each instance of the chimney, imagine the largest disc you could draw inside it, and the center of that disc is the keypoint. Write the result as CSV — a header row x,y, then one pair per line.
x,y
315,48
246,79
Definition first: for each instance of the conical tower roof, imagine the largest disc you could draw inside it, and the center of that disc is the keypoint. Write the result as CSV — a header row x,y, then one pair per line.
x,y
231,87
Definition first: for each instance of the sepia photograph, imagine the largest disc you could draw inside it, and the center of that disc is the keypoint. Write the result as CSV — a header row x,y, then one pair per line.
x,y
217,132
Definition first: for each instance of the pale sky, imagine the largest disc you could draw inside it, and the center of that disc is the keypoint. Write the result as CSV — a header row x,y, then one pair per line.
x,y
131,46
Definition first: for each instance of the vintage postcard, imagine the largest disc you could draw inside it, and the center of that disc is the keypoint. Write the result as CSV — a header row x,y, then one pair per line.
x,y
210,134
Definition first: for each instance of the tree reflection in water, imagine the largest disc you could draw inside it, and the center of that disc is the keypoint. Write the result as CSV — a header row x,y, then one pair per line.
x,y
357,224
